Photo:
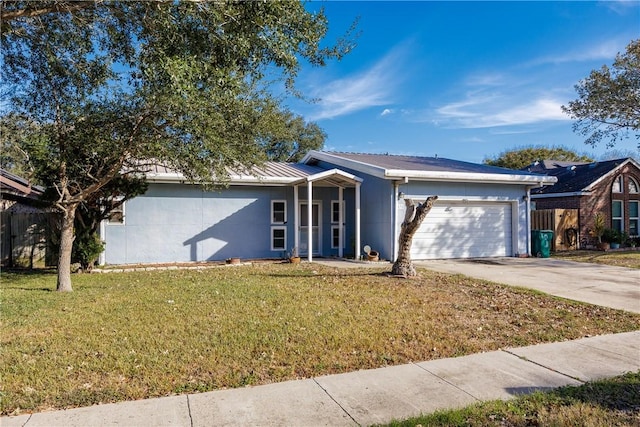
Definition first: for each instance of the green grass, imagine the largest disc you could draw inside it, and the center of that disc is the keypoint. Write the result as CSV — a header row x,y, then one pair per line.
x,y
629,259
610,402
125,336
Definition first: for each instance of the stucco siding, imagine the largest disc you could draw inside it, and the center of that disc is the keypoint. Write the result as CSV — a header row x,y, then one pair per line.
x,y
181,223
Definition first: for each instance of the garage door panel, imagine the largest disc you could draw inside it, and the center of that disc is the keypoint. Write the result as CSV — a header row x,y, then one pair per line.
x,y
462,230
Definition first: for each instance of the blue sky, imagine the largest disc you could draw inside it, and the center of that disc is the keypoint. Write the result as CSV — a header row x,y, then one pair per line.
x,y
462,80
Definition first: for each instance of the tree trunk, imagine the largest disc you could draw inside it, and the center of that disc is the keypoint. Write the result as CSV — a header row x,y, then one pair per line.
x,y
66,245
412,220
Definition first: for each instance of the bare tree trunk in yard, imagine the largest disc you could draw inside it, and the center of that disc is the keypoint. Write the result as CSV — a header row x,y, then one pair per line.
x,y
66,244
412,220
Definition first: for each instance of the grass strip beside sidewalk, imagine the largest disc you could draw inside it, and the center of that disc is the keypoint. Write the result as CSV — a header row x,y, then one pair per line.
x,y
609,402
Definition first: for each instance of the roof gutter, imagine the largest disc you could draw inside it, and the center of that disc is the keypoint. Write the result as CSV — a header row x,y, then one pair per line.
x,y
172,178
469,177
552,195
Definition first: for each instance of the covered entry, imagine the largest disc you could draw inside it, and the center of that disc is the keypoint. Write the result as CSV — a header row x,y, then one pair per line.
x,y
307,219
465,229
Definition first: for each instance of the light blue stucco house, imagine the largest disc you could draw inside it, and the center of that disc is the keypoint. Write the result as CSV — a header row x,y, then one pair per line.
x,y
350,200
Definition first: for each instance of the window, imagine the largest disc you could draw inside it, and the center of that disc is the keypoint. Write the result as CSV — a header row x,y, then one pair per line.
x,y
633,186
278,212
633,218
335,211
116,216
278,238
335,236
617,185
616,215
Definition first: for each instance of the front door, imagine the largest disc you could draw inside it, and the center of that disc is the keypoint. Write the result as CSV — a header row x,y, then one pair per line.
x,y
315,229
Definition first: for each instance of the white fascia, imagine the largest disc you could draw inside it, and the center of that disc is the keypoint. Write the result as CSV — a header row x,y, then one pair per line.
x,y
332,172
174,177
469,177
554,195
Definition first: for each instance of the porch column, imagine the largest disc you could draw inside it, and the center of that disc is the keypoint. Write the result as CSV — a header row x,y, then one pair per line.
x,y
310,221
296,221
357,220
340,222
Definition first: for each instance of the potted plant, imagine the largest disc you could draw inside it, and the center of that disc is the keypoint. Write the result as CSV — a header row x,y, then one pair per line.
x,y
623,238
598,231
294,258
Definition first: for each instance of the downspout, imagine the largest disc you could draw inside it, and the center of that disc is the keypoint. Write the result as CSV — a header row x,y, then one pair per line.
x,y
394,240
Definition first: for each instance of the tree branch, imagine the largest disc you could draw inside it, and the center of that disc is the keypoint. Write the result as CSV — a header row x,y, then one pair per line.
x,y
57,7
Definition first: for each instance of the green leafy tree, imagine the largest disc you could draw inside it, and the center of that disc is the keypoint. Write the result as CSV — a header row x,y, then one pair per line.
x,y
608,104
522,157
112,84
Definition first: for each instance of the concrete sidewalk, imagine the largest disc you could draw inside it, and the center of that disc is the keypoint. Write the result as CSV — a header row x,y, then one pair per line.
x,y
371,396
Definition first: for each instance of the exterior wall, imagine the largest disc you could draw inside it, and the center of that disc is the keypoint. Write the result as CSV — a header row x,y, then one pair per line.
x,y
376,212
477,193
181,222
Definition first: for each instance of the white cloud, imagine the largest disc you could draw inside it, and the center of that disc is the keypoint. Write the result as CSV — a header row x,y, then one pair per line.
x,y
621,7
370,88
386,112
496,111
602,51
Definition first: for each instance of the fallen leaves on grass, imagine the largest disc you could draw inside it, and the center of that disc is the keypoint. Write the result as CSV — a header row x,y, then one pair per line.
x,y
145,334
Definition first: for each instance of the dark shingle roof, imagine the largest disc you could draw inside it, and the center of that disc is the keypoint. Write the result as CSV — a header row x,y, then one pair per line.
x,y
576,177
18,186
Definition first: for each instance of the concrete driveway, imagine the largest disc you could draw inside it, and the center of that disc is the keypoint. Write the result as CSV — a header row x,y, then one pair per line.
x,y
615,287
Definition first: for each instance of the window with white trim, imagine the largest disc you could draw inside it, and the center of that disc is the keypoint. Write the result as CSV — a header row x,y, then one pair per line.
x,y
617,185
116,215
335,211
616,215
278,238
633,218
335,236
278,212
633,186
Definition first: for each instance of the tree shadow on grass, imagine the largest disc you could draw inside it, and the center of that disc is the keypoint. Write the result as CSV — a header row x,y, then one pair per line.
x,y
617,394
620,393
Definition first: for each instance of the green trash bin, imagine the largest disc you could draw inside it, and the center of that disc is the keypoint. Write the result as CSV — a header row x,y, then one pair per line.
x,y
541,243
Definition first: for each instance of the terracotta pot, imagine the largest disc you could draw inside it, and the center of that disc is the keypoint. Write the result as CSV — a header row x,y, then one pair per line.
x,y
604,246
294,260
233,261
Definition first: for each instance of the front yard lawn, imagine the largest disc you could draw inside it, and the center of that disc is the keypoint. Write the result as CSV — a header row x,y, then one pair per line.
x,y
630,259
125,336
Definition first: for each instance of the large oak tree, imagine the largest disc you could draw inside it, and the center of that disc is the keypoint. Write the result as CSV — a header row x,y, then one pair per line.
x,y
110,85
608,104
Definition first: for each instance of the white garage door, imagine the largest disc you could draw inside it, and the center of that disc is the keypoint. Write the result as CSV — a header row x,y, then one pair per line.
x,y
464,230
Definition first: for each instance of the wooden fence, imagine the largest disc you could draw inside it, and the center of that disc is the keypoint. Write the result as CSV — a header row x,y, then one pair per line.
x,y
563,223
25,239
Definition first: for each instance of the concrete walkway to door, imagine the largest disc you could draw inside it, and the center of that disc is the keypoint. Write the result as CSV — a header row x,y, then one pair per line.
x,y
615,287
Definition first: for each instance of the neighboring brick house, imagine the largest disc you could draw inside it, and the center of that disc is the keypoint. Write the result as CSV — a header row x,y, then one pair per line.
x,y
611,187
